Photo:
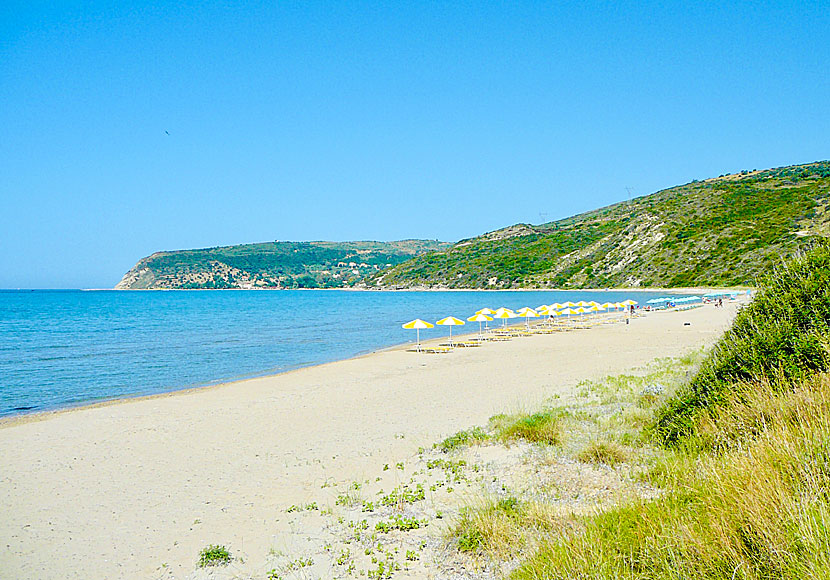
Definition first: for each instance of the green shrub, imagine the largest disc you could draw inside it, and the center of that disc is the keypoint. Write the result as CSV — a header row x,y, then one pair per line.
x,y
214,556
780,337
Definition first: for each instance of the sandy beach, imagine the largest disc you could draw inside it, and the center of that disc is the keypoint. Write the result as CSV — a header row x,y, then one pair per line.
x,y
137,488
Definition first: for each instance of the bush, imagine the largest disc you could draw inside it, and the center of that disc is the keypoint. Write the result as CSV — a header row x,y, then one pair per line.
x,y
780,338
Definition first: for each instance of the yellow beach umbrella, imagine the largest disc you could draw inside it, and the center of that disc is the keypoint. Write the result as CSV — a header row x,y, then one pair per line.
x,y
569,304
504,314
480,317
450,321
580,310
583,303
596,308
527,314
546,311
630,302
607,305
417,325
486,311
593,303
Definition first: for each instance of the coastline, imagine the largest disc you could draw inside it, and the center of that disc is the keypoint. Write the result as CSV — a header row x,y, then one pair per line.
x,y
675,290
118,488
148,388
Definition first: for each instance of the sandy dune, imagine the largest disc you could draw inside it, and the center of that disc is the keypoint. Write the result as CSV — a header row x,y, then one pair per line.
x,y
116,491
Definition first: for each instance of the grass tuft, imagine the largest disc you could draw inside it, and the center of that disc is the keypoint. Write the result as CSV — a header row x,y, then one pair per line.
x,y
542,427
605,452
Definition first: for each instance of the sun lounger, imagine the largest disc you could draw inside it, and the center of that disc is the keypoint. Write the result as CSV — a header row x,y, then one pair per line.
x,y
436,350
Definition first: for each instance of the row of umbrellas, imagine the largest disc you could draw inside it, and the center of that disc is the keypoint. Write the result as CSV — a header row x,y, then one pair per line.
x,y
486,314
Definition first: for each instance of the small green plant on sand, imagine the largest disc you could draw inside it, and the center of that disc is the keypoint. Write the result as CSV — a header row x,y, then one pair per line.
x,y
399,523
462,439
214,556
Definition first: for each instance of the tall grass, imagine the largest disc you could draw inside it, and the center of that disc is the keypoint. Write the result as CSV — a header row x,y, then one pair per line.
x,y
780,338
756,510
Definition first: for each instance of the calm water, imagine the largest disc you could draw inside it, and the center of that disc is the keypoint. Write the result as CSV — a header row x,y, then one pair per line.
x,y
64,348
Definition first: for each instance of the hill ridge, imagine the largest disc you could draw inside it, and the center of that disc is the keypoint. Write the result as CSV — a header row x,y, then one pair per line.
x,y
720,231
279,265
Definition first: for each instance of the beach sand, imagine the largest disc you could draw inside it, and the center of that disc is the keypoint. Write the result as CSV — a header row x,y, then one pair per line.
x,y
137,488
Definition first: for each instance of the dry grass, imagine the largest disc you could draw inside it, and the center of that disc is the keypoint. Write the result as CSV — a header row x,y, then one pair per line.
x,y
503,528
755,506
605,452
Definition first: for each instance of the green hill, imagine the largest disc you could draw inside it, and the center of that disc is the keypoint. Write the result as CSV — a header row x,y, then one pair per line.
x,y
721,231
272,265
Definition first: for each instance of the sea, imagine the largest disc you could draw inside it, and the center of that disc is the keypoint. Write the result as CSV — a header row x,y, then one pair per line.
x,y
65,348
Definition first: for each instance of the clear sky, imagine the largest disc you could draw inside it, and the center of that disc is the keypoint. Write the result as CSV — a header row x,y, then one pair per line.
x,y
132,127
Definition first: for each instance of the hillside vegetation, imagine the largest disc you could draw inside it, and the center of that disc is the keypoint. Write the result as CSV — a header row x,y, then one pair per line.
x,y
721,231
272,265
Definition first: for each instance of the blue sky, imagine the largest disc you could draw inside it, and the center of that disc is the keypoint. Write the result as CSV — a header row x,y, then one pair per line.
x,y
127,128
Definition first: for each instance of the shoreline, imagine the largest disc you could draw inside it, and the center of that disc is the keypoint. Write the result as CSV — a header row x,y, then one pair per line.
x,y
122,488
23,416
677,290
35,416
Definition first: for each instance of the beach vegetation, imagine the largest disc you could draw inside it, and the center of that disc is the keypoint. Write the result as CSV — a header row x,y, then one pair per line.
x,y
214,555
500,526
540,427
349,498
385,569
299,564
604,452
399,522
782,336
463,439
453,469
403,495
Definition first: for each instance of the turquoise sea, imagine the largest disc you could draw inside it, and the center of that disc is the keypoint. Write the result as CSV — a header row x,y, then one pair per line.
x,y
65,348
